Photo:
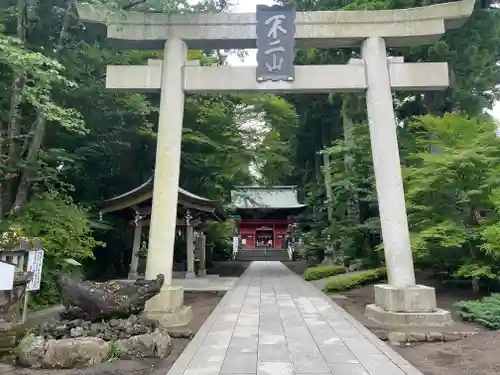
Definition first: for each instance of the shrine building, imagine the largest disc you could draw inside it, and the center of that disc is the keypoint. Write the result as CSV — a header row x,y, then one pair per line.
x,y
263,215
193,213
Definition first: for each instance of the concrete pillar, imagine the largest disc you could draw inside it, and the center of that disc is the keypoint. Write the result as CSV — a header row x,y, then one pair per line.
x,y
401,303
167,306
167,166
134,261
203,255
386,164
190,274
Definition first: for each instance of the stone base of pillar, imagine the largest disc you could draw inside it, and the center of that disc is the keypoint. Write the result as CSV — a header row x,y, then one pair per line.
x,y
415,305
190,275
168,308
132,276
202,273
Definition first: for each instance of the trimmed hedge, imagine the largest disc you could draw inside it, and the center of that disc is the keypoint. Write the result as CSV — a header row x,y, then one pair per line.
x,y
320,272
342,283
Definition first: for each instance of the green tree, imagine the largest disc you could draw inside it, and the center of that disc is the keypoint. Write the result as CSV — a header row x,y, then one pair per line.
x,y
452,196
66,231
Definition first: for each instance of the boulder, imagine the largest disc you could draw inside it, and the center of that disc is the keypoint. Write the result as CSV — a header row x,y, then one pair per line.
x,y
31,350
153,345
97,301
75,352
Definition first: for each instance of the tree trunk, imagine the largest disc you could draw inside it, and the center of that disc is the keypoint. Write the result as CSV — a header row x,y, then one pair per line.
x,y
10,152
38,132
28,172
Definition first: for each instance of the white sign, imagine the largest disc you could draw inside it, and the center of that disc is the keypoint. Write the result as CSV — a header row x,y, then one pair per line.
x,y
35,264
7,276
236,243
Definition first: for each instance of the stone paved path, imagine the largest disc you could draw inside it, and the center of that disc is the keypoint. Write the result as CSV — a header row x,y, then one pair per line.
x,y
274,323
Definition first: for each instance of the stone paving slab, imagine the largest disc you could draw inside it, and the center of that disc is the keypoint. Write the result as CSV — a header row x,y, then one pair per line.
x,y
207,283
274,323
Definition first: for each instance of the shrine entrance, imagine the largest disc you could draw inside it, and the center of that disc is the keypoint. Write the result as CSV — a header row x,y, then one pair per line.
x,y
264,238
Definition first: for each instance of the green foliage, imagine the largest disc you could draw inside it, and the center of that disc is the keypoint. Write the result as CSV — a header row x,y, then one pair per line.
x,y
66,230
463,177
320,272
220,238
472,54
355,236
43,74
346,282
485,311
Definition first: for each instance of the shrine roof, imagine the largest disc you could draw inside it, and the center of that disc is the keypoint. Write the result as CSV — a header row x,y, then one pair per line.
x,y
144,193
265,197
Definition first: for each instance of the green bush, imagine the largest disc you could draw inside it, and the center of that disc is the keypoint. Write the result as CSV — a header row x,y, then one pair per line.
x,y
66,231
485,311
320,272
342,283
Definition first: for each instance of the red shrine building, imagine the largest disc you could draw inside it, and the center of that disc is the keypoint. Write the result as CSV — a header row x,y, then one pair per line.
x,y
263,214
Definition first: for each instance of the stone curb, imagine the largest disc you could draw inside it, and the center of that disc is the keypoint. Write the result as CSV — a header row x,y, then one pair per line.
x,y
398,338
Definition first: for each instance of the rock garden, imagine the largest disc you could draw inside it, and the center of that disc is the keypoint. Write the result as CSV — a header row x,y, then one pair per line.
x,y
103,324
100,321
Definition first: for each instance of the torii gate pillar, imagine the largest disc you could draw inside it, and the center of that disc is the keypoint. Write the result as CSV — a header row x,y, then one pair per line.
x,y
168,306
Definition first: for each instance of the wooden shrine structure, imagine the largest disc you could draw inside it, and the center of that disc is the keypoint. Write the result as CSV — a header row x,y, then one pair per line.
x,y
264,214
193,212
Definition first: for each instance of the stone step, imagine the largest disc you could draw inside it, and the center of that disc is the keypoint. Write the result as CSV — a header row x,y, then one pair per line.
x,y
260,254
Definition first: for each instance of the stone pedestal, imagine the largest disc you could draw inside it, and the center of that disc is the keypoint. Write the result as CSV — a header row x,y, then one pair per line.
x,y
412,305
168,307
329,257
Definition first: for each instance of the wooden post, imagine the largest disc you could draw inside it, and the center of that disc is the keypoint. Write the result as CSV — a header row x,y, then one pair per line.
x,y
134,261
189,247
203,255
25,306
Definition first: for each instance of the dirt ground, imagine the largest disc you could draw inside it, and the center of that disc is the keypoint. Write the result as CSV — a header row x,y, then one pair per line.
x,y
474,355
202,304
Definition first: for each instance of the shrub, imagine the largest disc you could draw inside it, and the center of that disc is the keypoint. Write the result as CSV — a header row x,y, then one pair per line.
x,y
485,311
320,272
342,283
66,231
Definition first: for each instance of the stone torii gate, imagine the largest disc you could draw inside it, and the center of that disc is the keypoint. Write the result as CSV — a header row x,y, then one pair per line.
x,y
399,302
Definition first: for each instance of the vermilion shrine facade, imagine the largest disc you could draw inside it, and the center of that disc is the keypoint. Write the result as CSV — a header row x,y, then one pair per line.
x,y
264,215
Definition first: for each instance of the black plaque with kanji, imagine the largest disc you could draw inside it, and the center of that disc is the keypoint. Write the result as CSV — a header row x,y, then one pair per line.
x,y
275,42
